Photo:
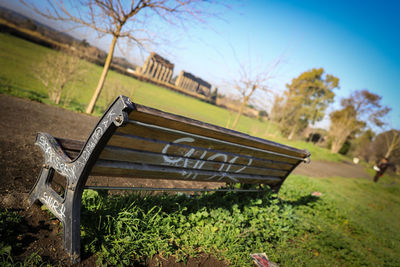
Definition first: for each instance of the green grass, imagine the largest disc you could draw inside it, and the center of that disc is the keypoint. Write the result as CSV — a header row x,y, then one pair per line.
x,y
354,223
319,153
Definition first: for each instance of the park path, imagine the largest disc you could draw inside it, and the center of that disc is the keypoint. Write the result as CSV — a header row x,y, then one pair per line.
x,y
331,169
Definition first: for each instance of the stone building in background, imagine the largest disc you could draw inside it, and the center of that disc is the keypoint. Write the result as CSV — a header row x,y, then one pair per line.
x,y
157,68
189,82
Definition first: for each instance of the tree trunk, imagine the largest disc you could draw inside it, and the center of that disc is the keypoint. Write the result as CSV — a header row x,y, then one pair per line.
x,y
229,121
291,135
53,93
388,153
100,85
393,144
59,93
58,98
242,106
337,145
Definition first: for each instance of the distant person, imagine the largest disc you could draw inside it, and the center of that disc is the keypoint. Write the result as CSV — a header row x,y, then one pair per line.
x,y
381,168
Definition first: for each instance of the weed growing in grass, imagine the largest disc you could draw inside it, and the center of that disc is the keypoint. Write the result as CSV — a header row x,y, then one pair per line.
x,y
130,228
32,260
9,222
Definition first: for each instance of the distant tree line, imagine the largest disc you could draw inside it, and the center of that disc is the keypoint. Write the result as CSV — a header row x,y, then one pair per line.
x,y
305,101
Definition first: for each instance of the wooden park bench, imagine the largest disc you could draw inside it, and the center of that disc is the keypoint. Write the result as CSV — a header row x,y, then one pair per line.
x,y
132,140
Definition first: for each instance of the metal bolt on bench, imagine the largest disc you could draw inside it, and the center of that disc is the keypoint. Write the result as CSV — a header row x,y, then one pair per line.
x,y
135,141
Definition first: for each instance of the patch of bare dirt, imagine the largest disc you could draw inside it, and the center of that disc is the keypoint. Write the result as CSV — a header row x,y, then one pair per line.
x,y
201,260
20,163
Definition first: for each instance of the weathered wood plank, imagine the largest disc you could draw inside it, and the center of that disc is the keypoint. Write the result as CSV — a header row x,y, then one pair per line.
x,y
135,156
172,136
70,147
69,144
125,169
182,149
164,119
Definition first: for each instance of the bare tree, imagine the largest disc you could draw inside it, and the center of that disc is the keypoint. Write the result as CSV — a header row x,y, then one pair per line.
x,y
57,70
392,141
386,145
358,109
249,81
120,19
361,146
115,87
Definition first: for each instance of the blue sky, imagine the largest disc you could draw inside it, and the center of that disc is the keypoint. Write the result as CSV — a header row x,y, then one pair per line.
x,y
357,41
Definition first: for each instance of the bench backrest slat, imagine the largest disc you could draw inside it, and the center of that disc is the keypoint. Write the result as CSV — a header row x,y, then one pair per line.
x,y
129,155
173,136
176,149
157,117
73,147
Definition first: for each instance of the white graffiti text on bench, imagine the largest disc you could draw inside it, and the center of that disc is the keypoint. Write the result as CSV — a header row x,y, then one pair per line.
x,y
72,169
94,139
56,162
225,164
53,205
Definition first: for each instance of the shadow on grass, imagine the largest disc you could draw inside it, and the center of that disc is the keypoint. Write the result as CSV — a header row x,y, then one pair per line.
x,y
10,89
170,203
6,88
99,206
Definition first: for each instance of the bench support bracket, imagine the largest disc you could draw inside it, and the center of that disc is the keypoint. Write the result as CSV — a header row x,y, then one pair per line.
x,y
68,208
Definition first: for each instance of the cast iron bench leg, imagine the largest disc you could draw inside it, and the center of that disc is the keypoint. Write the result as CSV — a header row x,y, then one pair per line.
x,y
68,209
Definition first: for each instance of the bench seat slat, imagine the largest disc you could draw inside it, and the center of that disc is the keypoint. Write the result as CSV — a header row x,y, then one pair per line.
x,y
199,141
151,145
70,147
69,144
126,169
134,156
164,119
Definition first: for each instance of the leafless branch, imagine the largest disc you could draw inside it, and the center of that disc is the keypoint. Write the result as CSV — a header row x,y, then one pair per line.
x,y
120,19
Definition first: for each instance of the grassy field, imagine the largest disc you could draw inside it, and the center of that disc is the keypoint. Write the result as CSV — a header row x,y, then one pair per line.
x,y
18,57
354,223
